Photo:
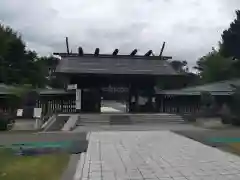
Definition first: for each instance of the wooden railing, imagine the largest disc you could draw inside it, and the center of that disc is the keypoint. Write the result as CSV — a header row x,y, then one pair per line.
x,y
178,109
66,104
51,106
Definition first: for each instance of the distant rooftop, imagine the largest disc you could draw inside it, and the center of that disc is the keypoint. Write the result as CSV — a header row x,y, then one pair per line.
x,y
216,88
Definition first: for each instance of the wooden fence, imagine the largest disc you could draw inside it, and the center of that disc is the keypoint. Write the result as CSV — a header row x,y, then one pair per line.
x,y
66,104
49,104
63,104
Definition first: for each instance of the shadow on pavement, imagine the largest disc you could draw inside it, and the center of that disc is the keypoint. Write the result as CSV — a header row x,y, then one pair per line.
x,y
214,138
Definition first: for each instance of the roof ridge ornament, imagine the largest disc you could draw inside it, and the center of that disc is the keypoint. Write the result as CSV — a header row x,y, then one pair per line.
x,y
133,55
134,52
80,51
115,52
97,51
148,53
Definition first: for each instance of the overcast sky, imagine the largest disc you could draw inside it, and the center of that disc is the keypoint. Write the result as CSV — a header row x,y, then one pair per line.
x,y
189,27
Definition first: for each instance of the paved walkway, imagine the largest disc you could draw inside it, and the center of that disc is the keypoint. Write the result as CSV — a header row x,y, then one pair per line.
x,y
113,107
153,155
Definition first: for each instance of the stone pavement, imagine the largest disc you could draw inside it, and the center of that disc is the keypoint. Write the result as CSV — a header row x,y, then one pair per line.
x,y
179,127
153,155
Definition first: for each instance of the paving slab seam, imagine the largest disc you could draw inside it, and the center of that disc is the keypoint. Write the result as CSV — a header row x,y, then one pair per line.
x,y
89,164
81,163
146,162
124,165
71,168
80,166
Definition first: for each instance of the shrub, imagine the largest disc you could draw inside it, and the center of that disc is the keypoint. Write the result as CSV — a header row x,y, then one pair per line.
x,y
18,95
3,124
5,121
190,117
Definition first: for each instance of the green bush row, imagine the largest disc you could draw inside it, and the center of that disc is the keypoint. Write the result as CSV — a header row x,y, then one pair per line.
x,y
5,121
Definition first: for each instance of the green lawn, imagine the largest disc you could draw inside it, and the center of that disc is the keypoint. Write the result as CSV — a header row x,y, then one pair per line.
x,y
235,146
42,167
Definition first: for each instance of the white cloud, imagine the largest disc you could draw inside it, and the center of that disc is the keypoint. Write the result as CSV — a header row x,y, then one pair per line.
x,y
190,27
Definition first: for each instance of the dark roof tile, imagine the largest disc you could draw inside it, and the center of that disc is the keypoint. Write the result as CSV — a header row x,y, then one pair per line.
x,y
216,88
104,65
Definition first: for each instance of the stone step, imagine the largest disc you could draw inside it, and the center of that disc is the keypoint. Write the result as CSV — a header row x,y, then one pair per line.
x,y
132,118
130,115
58,123
157,118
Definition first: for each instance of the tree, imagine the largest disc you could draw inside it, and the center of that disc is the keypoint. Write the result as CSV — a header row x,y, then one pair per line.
x,y
17,93
50,64
179,66
18,65
224,63
214,67
230,46
11,53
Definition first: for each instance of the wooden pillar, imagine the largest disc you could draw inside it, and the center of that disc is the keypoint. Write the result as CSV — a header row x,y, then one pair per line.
x,y
61,104
133,99
78,100
45,106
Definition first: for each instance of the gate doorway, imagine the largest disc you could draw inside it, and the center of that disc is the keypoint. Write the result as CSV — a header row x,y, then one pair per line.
x,y
114,99
104,100
113,106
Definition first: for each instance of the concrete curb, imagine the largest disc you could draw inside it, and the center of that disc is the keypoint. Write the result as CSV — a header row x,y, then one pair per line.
x,y
49,122
69,172
79,168
71,123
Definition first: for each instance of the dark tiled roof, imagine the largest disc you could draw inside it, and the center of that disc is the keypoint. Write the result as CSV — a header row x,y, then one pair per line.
x,y
111,65
217,88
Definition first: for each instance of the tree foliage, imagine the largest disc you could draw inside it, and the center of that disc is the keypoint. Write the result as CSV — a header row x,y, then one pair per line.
x,y
224,63
214,67
17,94
21,66
231,39
179,66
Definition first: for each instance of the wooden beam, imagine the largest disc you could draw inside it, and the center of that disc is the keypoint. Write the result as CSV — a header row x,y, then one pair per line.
x,y
148,53
134,52
162,49
67,45
80,51
96,53
115,52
